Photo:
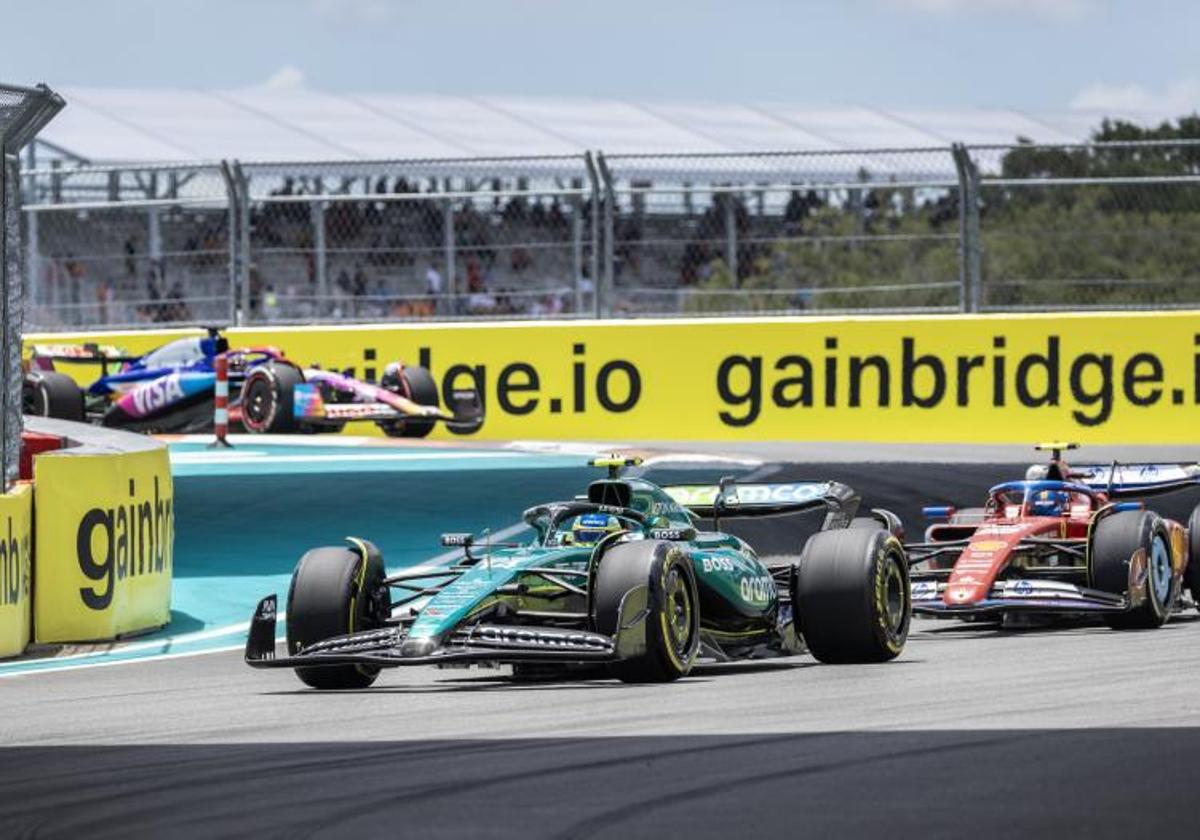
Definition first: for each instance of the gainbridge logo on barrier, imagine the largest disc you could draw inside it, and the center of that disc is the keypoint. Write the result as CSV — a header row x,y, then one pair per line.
x,y
16,570
1102,378
106,527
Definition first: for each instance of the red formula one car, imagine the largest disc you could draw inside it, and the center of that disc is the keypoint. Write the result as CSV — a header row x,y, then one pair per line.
x,y
1063,541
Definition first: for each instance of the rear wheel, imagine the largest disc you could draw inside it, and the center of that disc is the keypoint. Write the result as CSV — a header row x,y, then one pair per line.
x,y
1191,575
52,394
660,576
267,398
336,591
1117,541
417,384
851,597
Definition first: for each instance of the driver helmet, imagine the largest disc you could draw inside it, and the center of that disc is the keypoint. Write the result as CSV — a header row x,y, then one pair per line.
x,y
590,528
391,379
1049,503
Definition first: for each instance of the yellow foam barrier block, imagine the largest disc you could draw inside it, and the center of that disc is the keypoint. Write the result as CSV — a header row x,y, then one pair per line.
x,y
16,569
105,537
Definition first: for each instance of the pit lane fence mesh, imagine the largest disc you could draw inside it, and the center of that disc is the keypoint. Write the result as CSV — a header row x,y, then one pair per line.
x,y
946,229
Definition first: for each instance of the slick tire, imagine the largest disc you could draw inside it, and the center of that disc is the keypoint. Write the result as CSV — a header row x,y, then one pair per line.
x,y
417,384
851,597
268,396
1117,538
335,591
1191,574
662,574
52,394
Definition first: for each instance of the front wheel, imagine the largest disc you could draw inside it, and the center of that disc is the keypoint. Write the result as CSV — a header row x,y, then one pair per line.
x,y
336,591
1119,541
651,583
851,597
414,383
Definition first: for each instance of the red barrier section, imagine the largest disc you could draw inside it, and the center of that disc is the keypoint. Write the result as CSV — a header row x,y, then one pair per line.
x,y
31,444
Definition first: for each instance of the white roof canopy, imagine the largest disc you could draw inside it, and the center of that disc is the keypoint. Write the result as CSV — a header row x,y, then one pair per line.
x,y
105,125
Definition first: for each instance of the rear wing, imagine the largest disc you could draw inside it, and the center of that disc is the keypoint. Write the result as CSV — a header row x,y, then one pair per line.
x,y
1128,480
43,356
731,499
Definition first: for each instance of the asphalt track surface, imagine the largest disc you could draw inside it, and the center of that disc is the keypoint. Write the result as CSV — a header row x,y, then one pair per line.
x,y
975,730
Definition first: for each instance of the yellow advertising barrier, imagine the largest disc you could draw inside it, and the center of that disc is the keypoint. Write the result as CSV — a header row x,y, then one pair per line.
x,y
105,526
1130,377
16,568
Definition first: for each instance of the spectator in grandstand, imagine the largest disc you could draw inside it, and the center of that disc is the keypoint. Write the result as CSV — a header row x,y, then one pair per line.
x,y
255,290
131,258
433,289
106,303
556,220
270,303
479,299
516,211
537,214
519,259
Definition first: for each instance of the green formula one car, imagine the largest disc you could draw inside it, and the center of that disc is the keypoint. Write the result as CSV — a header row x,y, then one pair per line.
x,y
619,577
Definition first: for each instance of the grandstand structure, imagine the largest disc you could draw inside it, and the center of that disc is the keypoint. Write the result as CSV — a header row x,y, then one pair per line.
x,y
172,206
264,124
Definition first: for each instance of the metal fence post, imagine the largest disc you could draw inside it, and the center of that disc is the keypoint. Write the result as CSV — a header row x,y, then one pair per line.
x,y
448,249
5,316
320,256
589,161
605,289
241,185
731,259
970,262
577,252
231,198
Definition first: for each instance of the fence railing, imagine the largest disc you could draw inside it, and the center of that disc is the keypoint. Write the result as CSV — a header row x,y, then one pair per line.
x,y
959,228
23,113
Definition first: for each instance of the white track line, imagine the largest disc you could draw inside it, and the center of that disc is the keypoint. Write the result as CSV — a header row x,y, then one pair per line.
x,y
110,662
267,458
14,666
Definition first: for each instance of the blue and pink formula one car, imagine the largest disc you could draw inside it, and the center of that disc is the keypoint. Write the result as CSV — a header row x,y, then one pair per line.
x,y
171,390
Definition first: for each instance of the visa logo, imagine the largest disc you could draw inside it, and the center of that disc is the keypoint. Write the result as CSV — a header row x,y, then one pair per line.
x,y
154,395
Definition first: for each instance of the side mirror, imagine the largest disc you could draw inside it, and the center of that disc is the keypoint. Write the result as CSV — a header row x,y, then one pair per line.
x,y
457,540
728,495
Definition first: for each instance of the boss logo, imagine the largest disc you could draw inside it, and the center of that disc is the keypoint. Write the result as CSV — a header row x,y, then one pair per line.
x,y
716,564
154,395
121,542
673,534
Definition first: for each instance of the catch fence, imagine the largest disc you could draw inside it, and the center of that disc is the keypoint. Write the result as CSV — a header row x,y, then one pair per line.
x,y
23,113
946,229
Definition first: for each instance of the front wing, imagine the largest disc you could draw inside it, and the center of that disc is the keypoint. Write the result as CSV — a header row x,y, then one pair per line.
x,y
1020,595
465,415
388,648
